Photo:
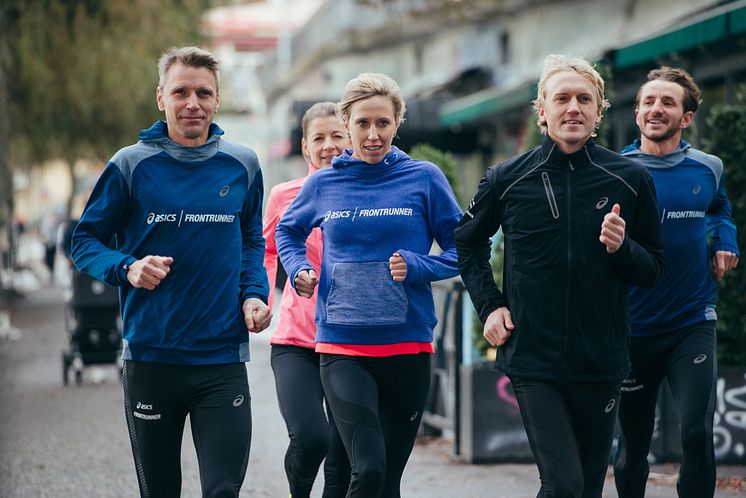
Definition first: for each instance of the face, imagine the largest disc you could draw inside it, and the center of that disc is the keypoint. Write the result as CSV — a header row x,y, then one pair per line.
x,y
372,127
660,112
189,98
570,110
325,138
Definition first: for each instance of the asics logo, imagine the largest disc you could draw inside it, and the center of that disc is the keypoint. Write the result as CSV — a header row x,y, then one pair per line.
x,y
224,191
699,359
696,189
158,218
603,201
238,401
143,406
609,406
414,416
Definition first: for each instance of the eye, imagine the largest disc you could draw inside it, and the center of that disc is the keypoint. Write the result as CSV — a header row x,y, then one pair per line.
x,y
204,93
383,123
362,123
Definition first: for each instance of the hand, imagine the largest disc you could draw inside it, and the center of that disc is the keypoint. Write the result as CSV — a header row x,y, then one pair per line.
x,y
498,327
148,272
612,230
722,262
398,267
305,282
256,314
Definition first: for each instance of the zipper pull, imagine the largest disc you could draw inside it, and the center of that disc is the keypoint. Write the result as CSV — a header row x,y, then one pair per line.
x,y
572,168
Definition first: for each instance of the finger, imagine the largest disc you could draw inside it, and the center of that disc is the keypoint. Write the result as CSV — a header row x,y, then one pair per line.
x,y
616,209
312,276
509,322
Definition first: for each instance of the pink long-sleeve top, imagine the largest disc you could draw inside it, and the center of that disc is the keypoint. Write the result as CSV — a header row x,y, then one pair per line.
x,y
296,326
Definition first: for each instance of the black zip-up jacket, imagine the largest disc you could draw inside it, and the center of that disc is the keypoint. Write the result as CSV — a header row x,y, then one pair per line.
x,y
566,294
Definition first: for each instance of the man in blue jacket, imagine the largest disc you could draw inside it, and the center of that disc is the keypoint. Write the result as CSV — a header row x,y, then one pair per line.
x,y
184,207
673,323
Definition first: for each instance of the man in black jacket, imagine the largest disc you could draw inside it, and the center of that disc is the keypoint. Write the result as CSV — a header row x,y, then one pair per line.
x,y
580,223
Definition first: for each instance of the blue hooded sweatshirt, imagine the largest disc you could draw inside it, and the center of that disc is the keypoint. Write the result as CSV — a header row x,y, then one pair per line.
x,y
200,205
692,205
366,213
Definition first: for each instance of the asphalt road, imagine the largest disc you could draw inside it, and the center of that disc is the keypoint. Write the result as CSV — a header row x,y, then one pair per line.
x,y
58,441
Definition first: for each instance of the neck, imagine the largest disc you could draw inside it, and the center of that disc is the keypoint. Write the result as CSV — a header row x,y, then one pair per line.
x,y
660,148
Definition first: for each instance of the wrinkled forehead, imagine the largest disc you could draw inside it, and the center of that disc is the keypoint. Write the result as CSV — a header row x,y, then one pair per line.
x,y
192,76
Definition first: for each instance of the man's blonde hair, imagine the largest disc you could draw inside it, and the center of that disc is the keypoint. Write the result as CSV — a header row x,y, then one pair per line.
x,y
367,85
554,64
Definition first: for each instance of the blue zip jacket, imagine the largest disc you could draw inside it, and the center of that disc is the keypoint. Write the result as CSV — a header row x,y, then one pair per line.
x,y
366,213
200,205
692,204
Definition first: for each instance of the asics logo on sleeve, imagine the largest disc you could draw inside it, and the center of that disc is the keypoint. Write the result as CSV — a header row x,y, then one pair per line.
x,y
603,201
610,406
224,191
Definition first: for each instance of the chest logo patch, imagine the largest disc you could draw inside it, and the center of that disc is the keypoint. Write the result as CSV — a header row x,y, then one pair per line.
x,y
603,201
696,189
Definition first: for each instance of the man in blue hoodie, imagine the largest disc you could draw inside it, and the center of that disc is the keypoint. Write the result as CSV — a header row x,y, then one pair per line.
x,y
184,208
673,323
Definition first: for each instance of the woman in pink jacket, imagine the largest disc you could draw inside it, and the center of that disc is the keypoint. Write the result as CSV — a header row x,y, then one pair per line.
x,y
294,361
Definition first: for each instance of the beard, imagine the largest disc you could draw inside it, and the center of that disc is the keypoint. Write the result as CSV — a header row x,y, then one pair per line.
x,y
668,134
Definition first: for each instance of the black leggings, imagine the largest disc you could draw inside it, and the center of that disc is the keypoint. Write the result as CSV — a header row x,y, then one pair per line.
x,y
157,399
570,428
687,358
377,403
312,437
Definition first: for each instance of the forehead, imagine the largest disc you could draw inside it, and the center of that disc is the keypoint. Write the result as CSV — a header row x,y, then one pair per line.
x,y
661,88
569,81
377,105
181,75
324,124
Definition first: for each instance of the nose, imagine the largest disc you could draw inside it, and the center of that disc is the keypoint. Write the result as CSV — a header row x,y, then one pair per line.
x,y
372,133
192,101
657,106
573,105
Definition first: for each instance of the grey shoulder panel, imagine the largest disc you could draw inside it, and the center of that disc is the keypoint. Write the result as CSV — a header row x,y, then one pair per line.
x,y
128,158
713,162
242,154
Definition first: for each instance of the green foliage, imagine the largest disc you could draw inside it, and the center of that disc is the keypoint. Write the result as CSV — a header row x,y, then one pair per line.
x,y
84,72
444,160
728,141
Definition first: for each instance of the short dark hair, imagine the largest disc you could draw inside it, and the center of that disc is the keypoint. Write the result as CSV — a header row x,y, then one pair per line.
x,y
692,94
187,56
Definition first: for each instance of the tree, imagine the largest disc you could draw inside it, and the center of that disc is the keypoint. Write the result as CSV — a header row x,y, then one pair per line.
x,y
84,73
728,141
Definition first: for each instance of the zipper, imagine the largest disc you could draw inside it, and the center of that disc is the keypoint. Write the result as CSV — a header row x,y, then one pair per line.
x,y
568,285
550,195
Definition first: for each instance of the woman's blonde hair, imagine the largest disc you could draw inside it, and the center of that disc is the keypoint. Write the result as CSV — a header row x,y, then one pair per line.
x,y
368,85
554,64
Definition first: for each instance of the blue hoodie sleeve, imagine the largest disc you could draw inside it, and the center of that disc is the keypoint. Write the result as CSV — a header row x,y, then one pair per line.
x,y
720,223
443,214
293,229
99,223
254,281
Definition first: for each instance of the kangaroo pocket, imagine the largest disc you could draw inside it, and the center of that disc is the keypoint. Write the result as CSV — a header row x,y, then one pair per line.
x,y
365,294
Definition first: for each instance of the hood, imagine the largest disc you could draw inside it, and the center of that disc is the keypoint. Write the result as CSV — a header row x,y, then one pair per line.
x,y
633,149
158,134
390,162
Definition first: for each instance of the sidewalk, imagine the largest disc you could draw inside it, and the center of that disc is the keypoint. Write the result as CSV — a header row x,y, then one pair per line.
x,y
58,441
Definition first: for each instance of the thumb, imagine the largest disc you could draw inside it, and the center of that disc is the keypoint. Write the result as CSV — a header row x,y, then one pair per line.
x,y
312,275
616,209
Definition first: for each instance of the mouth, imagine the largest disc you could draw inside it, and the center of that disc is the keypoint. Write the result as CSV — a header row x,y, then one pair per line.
x,y
373,148
572,122
656,122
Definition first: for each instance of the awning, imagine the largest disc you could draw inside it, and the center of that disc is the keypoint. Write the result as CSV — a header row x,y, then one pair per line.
x,y
715,28
487,102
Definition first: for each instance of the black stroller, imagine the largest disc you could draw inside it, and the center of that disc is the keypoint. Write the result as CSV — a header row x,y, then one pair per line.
x,y
92,324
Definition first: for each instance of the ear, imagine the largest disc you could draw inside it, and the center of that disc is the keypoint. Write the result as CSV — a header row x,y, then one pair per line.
x,y
687,119
159,99
304,149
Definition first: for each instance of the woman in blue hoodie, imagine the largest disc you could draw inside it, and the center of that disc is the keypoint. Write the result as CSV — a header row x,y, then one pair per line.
x,y
380,212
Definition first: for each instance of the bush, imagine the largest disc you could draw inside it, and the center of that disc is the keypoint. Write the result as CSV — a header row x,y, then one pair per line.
x,y
443,160
727,124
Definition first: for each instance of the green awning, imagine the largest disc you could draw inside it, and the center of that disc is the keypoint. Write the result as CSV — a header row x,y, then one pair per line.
x,y
713,29
487,102
738,21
